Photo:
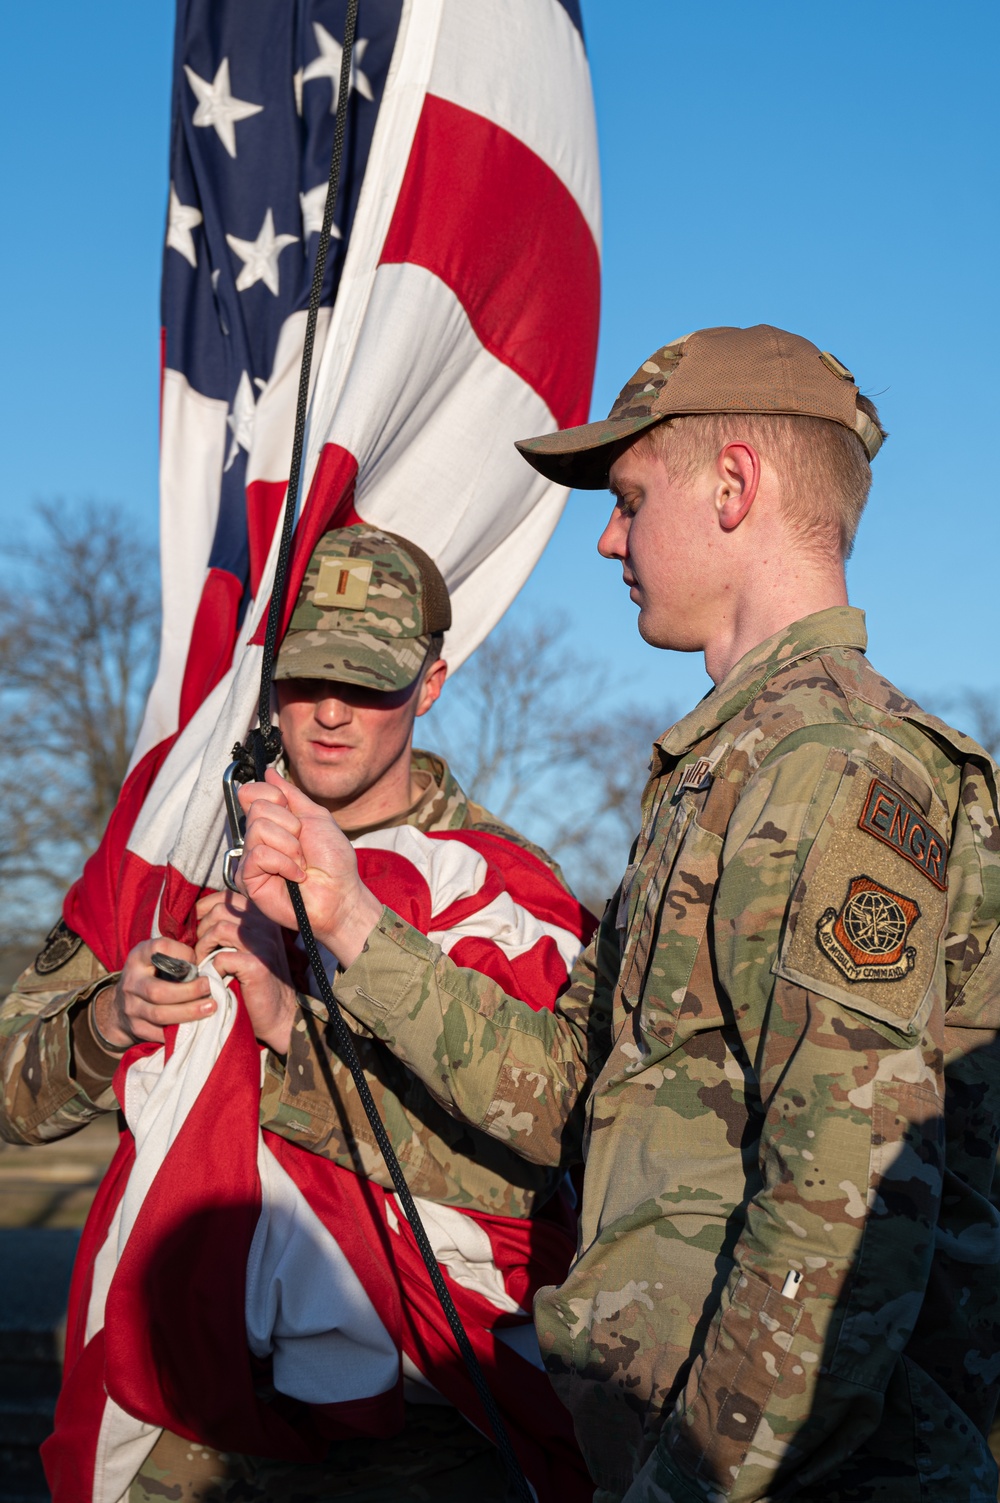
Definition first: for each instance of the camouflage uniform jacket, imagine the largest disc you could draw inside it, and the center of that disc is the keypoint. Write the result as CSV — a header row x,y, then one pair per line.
x,y
780,1055
56,1076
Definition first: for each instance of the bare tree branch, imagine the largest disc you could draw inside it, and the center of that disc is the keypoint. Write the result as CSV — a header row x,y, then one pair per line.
x,y
79,609
533,731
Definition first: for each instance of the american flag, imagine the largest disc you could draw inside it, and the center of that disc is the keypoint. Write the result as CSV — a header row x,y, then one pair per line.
x,y
460,312
211,1241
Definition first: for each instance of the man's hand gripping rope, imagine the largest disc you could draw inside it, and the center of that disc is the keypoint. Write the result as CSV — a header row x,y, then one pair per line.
x,y
291,839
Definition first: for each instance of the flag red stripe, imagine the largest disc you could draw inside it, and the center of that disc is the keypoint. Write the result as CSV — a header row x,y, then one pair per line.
x,y
70,1453
397,883
264,501
213,638
330,503
541,1432
536,977
528,880
176,1351
111,905
481,211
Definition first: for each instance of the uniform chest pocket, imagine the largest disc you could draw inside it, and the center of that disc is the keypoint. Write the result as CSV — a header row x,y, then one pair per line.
x,y
643,890
678,994
668,925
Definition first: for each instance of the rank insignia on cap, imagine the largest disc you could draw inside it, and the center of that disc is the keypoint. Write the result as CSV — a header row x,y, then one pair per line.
x,y
866,939
61,944
343,583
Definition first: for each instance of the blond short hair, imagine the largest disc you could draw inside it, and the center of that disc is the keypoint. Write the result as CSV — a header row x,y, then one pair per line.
x,y
822,467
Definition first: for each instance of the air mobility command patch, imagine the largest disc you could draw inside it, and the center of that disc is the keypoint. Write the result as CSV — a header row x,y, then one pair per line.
x,y
864,929
867,938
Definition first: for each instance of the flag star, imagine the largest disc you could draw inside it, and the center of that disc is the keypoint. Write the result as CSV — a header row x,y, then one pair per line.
x,y
181,220
217,107
241,419
313,203
260,256
327,65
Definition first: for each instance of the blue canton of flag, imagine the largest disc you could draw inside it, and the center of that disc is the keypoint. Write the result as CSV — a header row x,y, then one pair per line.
x,y
254,107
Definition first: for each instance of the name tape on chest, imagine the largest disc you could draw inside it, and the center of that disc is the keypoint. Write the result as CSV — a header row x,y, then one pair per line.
x,y
343,583
888,816
699,774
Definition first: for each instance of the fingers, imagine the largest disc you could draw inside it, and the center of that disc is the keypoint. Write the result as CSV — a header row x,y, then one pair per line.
x,y
224,918
141,954
274,834
271,792
167,1014
232,902
298,802
237,963
142,1004
207,942
262,862
223,931
139,975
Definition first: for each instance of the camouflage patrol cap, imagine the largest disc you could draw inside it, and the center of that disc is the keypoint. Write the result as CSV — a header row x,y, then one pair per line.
x,y
758,370
368,607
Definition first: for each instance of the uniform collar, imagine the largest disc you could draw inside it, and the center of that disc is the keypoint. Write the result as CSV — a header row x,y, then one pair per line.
x,y
439,795
840,626
440,804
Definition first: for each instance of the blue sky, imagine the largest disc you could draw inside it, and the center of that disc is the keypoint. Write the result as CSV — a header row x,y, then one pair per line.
x,y
831,168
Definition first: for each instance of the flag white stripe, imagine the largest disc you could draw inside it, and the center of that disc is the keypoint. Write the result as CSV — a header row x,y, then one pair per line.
x,y
191,460
523,65
513,929
454,871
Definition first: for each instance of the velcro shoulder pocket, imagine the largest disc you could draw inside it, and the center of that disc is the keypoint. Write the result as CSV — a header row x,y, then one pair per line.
x,y
867,916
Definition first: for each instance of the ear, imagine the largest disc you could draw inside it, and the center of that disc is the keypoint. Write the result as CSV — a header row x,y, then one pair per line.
x,y
433,683
738,467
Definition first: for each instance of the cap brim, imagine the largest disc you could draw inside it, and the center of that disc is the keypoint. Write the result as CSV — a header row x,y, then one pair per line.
x,y
352,658
581,457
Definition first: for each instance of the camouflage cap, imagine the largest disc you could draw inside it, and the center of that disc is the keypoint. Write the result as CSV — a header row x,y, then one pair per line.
x,y
368,607
761,369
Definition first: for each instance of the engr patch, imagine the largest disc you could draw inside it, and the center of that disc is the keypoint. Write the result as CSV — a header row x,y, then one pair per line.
x,y
889,817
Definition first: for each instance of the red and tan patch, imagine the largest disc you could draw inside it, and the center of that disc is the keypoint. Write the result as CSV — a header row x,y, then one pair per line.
x,y
867,938
889,817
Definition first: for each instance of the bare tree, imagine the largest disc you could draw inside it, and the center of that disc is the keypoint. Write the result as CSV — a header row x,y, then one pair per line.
x,y
545,740
78,625
978,711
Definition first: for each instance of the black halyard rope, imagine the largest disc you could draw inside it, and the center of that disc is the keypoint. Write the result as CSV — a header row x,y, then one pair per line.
x,y
263,746
348,1053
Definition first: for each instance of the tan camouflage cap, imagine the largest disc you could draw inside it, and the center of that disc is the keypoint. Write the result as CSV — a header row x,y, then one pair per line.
x,y
762,369
367,609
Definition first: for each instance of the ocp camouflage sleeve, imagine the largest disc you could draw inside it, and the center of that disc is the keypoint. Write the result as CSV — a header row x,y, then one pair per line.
x,y
310,1098
833,1257
55,1077
518,1075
